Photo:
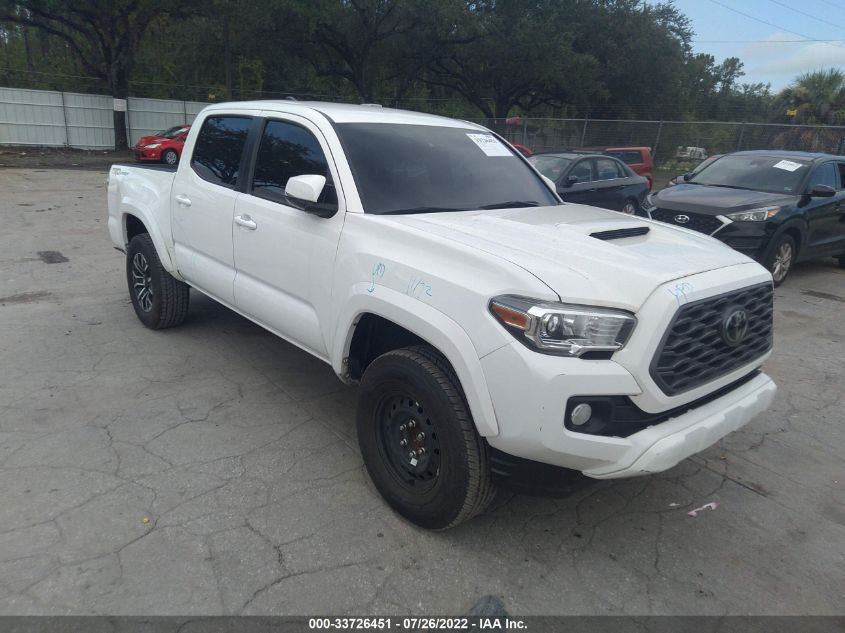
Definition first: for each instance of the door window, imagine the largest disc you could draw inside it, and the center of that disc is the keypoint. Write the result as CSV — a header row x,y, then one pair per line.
x,y
824,175
287,150
219,148
583,171
607,169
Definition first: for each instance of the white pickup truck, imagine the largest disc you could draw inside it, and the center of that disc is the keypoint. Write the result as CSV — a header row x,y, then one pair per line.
x,y
499,336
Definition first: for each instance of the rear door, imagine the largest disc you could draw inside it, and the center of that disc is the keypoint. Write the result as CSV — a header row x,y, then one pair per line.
x,y
284,256
825,229
202,204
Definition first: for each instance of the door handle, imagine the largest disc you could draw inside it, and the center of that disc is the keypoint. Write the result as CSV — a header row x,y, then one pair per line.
x,y
182,200
246,221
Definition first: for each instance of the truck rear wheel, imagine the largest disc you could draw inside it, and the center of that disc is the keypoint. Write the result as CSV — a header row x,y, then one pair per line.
x,y
418,439
160,300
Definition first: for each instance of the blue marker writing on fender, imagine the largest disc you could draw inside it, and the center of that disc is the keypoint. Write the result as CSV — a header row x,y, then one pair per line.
x,y
680,292
378,273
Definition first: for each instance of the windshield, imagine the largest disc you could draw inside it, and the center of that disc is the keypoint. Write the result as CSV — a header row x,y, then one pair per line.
x,y
422,168
758,173
173,132
550,166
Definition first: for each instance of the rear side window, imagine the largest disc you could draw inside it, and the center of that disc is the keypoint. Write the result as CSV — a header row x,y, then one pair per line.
x,y
631,158
583,171
824,175
607,169
287,150
219,148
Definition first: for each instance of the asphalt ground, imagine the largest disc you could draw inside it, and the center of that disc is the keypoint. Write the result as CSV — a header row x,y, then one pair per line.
x,y
213,468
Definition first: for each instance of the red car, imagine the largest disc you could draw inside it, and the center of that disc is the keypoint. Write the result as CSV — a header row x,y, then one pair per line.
x,y
525,151
165,147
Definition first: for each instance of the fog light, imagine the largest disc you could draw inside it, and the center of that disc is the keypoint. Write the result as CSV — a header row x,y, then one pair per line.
x,y
581,414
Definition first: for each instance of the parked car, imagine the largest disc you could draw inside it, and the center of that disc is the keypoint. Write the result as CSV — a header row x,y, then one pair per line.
x,y
164,147
499,337
777,207
593,179
691,152
677,180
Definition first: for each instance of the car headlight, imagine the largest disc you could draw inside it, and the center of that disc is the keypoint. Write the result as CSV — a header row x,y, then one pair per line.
x,y
152,145
558,328
648,202
753,215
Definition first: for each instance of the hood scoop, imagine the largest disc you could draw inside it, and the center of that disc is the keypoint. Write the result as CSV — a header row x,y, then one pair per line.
x,y
618,234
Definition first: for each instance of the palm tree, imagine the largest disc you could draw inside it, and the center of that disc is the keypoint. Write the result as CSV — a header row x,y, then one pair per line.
x,y
818,96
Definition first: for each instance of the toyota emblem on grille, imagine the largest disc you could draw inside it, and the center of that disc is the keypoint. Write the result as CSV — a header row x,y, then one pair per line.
x,y
681,219
735,327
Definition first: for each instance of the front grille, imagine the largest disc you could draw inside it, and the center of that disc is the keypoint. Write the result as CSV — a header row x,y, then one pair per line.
x,y
697,221
694,350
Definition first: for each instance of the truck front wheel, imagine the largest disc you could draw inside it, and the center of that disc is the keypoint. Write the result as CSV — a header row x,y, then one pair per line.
x,y
160,300
418,439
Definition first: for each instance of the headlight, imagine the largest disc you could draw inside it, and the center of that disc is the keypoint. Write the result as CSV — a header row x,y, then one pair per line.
x,y
648,202
152,145
558,328
753,215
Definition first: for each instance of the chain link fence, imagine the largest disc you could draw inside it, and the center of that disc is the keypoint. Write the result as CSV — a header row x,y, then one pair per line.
x,y
672,143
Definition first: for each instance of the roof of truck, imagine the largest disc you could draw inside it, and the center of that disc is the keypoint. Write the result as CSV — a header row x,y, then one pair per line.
x,y
346,112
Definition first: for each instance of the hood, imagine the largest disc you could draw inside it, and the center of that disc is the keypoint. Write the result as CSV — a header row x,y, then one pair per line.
x,y
146,140
710,200
555,245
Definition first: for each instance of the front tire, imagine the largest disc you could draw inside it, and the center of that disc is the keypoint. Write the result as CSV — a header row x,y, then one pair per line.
x,y
781,258
160,300
418,439
170,157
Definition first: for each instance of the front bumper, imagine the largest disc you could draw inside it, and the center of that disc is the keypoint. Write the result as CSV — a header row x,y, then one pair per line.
x,y
530,393
147,154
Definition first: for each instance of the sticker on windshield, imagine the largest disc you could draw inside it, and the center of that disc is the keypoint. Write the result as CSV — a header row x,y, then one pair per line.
x,y
787,165
489,144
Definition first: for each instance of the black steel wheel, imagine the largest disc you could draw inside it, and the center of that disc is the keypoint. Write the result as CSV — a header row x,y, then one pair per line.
x,y
418,439
160,300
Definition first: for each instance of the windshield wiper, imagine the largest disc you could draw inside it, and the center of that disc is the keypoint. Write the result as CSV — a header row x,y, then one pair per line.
x,y
512,204
420,210
725,186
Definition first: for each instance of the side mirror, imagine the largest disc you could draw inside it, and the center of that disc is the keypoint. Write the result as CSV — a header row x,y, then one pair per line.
x,y
306,188
822,191
570,180
687,176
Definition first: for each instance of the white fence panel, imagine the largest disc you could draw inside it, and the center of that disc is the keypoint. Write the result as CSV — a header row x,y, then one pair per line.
x,y
31,117
147,116
90,121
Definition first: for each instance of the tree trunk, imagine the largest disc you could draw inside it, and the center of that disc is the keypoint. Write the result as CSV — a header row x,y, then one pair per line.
x,y
120,90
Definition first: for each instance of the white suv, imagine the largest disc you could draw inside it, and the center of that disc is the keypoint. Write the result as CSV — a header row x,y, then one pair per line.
x,y
496,332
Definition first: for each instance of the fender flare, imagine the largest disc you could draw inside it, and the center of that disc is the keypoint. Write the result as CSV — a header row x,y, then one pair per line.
x,y
148,219
432,326
800,225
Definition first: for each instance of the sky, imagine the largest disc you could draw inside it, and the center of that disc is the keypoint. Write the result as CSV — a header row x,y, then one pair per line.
x,y
754,30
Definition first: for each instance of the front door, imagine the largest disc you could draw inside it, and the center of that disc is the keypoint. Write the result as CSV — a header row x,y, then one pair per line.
x,y
202,203
582,190
284,256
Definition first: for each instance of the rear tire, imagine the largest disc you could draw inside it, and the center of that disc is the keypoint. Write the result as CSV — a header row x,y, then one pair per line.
x,y
630,207
160,300
418,439
781,258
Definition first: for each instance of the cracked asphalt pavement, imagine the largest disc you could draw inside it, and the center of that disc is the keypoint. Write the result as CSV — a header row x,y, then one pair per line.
x,y
213,468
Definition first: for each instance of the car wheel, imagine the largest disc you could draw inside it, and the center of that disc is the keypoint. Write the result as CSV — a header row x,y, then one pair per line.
x,y
781,258
170,157
160,300
418,439
630,207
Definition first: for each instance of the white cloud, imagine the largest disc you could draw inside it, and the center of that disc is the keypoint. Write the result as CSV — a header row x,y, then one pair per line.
x,y
781,62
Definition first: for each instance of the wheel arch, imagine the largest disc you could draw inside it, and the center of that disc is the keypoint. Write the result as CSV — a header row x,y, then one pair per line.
x,y
134,222
392,320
